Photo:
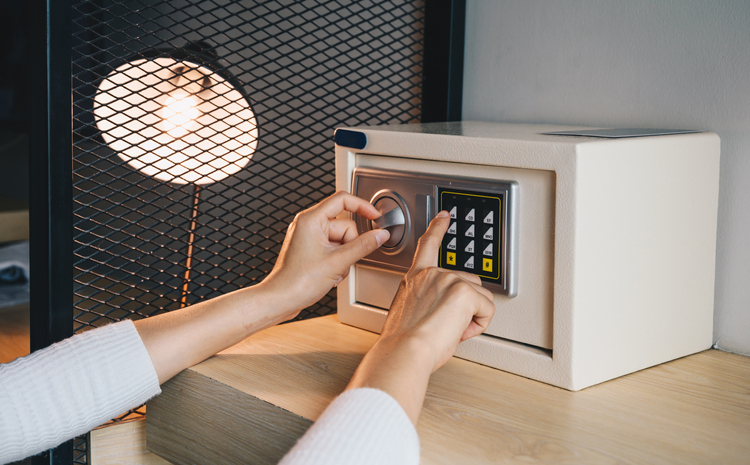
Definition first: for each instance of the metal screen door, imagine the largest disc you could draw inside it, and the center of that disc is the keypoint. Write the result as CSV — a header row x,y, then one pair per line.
x,y
145,241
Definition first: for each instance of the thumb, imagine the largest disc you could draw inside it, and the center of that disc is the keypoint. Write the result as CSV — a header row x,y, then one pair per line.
x,y
362,246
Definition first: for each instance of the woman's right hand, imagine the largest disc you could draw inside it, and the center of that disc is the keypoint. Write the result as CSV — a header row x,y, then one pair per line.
x,y
439,307
434,309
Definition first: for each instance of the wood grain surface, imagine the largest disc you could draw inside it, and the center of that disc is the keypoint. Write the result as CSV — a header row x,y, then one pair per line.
x,y
122,444
263,393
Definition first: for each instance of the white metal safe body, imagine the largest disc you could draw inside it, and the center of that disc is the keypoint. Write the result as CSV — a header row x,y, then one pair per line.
x,y
616,244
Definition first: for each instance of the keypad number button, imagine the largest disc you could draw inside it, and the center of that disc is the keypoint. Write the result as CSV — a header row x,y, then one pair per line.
x,y
470,215
487,250
488,234
452,244
469,247
469,263
470,231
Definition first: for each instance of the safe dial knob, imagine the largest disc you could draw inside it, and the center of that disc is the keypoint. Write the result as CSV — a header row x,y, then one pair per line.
x,y
395,219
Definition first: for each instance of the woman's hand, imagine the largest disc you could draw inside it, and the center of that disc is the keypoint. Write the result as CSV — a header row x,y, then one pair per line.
x,y
439,307
317,253
434,309
319,249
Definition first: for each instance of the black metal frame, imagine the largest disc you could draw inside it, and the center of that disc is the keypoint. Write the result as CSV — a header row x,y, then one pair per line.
x,y
51,153
443,71
50,189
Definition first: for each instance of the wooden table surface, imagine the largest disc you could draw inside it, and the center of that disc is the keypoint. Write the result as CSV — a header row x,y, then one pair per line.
x,y
250,403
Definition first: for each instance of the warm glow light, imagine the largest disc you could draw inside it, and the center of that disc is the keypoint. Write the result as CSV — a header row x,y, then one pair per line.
x,y
176,121
180,113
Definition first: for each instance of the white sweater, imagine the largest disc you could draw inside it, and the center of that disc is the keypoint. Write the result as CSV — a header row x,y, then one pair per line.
x,y
76,385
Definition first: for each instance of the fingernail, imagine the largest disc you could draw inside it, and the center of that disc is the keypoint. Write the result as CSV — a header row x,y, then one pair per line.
x,y
381,236
443,214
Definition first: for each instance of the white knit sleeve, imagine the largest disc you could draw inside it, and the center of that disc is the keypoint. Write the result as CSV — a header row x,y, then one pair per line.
x,y
363,426
69,388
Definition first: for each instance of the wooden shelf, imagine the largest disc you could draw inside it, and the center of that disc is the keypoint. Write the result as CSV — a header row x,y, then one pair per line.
x,y
250,403
122,444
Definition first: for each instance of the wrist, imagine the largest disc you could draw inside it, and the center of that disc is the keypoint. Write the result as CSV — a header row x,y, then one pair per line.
x,y
414,350
401,367
262,306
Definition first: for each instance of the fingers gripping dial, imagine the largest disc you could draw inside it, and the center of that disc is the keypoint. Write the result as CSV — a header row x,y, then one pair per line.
x,y
395,218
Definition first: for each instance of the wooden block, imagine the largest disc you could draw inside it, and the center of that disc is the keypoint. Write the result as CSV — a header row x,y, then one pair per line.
x,y
122,444
251,402
198,420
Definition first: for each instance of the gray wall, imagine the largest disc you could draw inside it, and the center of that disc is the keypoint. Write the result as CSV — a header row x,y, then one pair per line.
x,y
634,63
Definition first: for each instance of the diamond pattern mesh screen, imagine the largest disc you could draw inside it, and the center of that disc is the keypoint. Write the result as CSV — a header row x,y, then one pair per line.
x,y
202,127
226,172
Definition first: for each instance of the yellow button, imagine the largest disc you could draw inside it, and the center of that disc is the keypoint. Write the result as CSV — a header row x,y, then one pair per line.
x,y
451,258
487,264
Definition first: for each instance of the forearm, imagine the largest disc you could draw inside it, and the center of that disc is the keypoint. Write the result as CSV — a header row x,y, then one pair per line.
x,y
69,388
434,309
317,253
361,426
399,367
180,339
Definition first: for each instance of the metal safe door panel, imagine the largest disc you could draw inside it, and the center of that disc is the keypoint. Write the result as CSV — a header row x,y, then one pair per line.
x,y
413,194
525,318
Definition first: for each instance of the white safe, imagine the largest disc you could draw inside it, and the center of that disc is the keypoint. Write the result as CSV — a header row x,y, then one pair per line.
x,y
599,251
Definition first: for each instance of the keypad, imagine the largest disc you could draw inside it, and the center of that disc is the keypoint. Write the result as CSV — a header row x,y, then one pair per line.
x,y
472,242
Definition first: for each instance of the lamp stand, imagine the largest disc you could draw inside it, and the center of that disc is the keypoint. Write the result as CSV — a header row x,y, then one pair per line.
x,y
191,239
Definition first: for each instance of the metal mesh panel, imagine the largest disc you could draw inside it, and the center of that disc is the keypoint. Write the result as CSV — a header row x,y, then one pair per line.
x,y
148,190
80,449
302,68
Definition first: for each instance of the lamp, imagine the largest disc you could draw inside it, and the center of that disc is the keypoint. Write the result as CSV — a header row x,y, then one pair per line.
x,y
177,117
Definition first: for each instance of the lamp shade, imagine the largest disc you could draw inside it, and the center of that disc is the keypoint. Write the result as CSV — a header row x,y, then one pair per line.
x,y
176,120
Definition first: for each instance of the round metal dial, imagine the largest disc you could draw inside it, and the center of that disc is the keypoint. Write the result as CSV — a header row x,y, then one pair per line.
x,y
395,218
390,208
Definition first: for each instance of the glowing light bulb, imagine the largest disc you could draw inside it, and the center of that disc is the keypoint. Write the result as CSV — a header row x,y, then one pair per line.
x,y
165,128
179,114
